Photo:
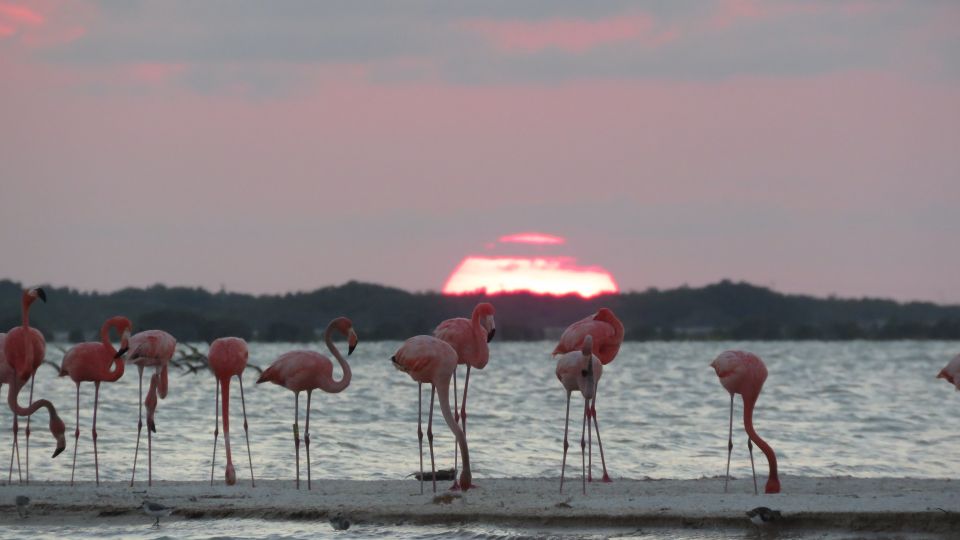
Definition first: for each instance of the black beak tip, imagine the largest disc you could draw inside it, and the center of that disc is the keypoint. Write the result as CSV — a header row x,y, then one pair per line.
x,y
58,450
152,426
490,335
350,350
121,352
42,294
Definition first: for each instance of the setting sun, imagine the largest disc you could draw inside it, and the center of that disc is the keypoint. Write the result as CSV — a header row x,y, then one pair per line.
x,y
538,274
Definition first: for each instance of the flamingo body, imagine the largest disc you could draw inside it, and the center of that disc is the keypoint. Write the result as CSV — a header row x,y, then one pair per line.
x,y
150,348
228,358
606,330
579,371
469,337
951,372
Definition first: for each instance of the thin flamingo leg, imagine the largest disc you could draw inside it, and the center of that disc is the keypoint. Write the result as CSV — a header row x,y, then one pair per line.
x,y
433,467
27,432
216,429
96,399
246,431
463,406
729,447
566,424
136,450
589,441
583,444
420,429
306,437
76,437
603,461
15,449
750,447
456,419
296,432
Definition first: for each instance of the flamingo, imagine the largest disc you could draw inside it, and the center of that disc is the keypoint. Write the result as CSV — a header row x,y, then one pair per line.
x,y
309,370
951,372
579,370
150,348
430,360
21,352
607,332
469,337
95,362
744,373
228,357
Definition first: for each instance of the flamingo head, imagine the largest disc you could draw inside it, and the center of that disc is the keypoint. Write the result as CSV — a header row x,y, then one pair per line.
x,y
484,313
588,377
57,428
231,475
31,295
345,327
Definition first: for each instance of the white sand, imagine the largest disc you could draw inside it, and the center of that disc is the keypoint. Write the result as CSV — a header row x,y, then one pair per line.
x,y
876,504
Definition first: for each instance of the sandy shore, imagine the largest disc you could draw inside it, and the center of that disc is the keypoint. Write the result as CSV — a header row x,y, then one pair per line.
x,y
876,504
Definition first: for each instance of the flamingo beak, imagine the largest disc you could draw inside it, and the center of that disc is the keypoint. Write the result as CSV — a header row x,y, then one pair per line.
x,y
42,294
352,339
58,450
121,352
490,334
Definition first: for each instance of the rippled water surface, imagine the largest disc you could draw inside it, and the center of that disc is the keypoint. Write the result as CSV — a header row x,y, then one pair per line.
x,y
865,409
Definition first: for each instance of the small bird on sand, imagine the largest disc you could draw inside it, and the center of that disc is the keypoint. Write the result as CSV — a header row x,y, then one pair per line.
x,y
339,523
22,503
155,510
762,515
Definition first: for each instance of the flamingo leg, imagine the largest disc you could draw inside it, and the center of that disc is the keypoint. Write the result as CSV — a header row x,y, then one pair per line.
x,y
433,467
15,449
603,461
463,406
246,431
750,448
419,429
76,437
216,430
136,450
589,440
306,437
566,424
583,444
296,432
456,419
27,432
96,399
729,447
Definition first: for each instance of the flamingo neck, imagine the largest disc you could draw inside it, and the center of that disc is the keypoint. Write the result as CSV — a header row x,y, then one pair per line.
x,y
225,410
25,312
337,385
773,481
31,408
116,372
443,394
105,336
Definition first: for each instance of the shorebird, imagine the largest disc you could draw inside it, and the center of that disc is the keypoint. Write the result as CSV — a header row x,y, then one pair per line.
x,y
762,515
155,510
339,523
22,503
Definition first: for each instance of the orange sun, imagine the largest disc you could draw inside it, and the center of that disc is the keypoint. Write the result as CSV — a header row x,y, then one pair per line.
x,y
538,274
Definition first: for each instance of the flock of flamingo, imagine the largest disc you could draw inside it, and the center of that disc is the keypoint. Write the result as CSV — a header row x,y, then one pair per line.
x,y
585,347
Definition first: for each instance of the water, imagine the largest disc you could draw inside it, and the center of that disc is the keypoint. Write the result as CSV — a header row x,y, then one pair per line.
x,y
867,409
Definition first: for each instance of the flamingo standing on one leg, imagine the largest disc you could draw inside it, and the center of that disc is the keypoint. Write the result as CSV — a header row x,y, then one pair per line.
x,y
607,332
951,372
300,371
579,370
744,373
430,360
469,337
23,352
95,362
150,348
228,358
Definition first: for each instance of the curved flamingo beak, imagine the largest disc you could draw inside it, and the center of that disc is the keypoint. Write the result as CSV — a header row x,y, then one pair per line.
x,y
490,334
42,294
352,340
121,352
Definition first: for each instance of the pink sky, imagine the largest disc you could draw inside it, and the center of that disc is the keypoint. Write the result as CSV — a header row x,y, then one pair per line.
x,y
810,146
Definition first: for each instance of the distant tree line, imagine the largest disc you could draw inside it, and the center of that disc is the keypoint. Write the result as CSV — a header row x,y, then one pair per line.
x,y
724,310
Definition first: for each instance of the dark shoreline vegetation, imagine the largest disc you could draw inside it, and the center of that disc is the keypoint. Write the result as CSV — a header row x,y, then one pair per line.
x,y
721,311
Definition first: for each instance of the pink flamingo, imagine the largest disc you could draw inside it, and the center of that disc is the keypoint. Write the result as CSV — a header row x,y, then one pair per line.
x,y
579,370
951,372
150,348
95,362
300,371
744,373
228,358
469,337
430,360
21,353
607,333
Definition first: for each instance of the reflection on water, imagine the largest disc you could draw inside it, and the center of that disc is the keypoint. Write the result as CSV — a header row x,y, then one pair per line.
x,y
856,408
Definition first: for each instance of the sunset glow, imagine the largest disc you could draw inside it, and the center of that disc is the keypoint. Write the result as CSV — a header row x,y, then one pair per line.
x,y
532,238
538,275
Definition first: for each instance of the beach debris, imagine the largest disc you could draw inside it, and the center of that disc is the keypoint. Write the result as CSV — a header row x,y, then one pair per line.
x,y
442,474
339,522
22,503
446,498
762,515
563,504
155,510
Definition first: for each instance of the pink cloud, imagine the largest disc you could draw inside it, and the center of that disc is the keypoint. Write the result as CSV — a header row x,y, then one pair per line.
x,y
152,73
44,23
532,238
570,35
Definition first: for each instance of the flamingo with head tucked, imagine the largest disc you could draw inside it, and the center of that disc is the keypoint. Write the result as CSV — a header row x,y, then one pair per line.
x,y
951,372
95,362
150,348
469,337
300,371
579,370
744,373
607,333
228,358
430,360
21,352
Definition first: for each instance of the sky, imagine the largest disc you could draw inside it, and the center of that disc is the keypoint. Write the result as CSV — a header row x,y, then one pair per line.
x,y
265,147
